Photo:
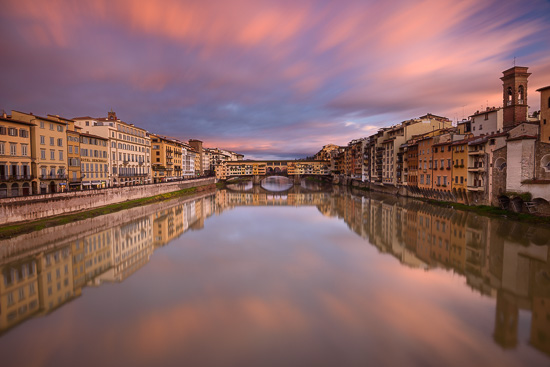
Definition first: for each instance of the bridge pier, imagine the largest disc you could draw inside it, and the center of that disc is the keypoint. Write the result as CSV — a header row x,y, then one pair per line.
x,y
297,179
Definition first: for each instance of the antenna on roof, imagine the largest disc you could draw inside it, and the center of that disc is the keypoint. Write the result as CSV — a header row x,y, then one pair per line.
x,y
514,61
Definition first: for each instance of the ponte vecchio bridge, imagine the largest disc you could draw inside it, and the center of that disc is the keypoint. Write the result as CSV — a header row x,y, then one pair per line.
x,y
258,170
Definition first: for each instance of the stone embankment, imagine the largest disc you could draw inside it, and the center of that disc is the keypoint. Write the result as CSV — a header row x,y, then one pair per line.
x,y
31,208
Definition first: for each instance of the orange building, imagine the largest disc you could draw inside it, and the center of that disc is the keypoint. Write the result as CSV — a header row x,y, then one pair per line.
x,y
442,165
425,157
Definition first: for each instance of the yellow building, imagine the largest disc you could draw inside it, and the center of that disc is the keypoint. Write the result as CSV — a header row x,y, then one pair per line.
x,y
460,165
55,278
15,157
18,292
308,167
73,156
166,156
240,168
48,152
94,160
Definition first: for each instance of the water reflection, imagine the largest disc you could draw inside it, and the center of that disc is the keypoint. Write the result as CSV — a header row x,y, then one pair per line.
x,y
277,183
505,261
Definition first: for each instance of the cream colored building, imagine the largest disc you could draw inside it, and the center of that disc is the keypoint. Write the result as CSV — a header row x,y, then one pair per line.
x,y
129,148
188,161
94,160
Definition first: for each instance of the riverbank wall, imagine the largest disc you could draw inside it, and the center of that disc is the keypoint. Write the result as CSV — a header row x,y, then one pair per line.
x,y
516,204
20,209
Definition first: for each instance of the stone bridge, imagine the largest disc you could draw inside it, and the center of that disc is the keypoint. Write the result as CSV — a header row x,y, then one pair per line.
x,y
258,170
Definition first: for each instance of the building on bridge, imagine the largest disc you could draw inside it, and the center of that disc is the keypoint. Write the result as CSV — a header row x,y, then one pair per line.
x,y
226,170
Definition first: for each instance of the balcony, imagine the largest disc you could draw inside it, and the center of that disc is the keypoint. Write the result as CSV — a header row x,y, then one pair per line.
x,y
53,177
132,174
476,188
16,177
476,152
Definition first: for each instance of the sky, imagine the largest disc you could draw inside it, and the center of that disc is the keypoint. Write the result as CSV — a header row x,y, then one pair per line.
x,y
268,78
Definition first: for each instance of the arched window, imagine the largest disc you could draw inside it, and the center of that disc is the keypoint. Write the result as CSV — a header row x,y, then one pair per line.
x,y
545,162
521,95
15,190
500,163
510,96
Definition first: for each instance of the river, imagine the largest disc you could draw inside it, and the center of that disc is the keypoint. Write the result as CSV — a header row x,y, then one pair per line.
x,y
288,276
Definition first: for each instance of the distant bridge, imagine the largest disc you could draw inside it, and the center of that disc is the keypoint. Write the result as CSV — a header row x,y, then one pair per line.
x,y
259,170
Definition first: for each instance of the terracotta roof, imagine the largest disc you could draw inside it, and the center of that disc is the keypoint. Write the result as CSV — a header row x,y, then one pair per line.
x,y
17,121
93,136
522,137
543,88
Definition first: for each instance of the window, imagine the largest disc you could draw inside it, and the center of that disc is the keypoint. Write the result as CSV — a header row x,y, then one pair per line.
x,y
24,149
12,131
59,128
2,148
51,126
52,155
480,127
60,155
59,142
13,149
42,153
75,150
52,141
70,147
23,133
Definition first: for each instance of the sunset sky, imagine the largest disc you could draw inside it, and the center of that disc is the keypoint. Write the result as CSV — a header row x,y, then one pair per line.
x,y
267,78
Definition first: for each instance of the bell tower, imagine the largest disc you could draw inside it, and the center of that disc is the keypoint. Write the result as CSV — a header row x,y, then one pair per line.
x,y
514,93
111,115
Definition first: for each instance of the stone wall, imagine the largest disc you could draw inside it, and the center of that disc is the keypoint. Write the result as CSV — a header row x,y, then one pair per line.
x,y
29,208
499,175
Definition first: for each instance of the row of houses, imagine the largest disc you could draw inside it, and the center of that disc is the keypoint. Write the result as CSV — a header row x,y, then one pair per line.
x,y
49,154
498,156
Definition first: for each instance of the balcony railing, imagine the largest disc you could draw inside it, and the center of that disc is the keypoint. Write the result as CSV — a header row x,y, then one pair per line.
x,y
53,177
132,174
16,177
476,188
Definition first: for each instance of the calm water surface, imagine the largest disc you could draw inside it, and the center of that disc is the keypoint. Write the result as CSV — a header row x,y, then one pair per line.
x,y
293,276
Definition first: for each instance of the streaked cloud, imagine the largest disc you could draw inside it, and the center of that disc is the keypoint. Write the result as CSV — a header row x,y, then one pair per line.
x,y
267,77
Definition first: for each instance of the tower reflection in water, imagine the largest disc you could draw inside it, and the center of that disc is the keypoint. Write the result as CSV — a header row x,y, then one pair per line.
x,y
504,260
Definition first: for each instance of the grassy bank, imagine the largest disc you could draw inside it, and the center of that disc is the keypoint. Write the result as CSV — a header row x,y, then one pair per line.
x,y
27,227
492,211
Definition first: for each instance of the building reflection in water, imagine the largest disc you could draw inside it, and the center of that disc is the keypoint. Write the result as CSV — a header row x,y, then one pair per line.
x,y
504,260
